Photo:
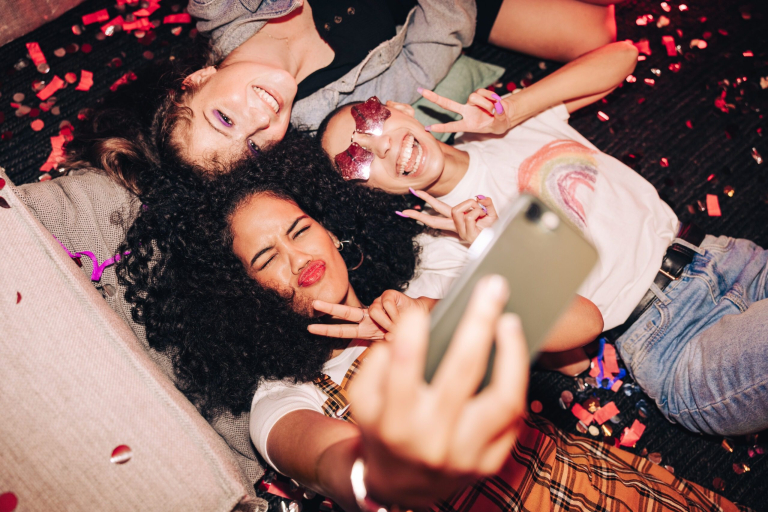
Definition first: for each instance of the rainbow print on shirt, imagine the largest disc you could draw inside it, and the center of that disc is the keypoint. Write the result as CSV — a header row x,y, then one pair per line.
x,y
556,173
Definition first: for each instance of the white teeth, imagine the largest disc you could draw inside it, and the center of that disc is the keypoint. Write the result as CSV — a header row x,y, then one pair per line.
x,y
409,144
268,98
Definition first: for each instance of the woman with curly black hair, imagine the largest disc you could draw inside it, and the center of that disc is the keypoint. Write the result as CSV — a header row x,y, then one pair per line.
x,y
244,263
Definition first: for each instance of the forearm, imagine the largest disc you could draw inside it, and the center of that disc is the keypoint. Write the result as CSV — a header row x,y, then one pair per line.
x,y
578,83
579,325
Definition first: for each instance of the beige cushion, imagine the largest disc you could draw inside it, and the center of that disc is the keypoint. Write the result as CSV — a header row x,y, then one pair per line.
x,y
76,384
87,211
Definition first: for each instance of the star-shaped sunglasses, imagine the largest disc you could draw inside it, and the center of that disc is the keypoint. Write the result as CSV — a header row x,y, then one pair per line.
x,y
355,162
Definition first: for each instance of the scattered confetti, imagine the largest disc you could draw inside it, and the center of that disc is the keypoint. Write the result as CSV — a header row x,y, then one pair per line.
x,y
632,435
18,294
740,468
86,81
566,399
665,7
664,162
748,53
56,84
650,81
729,191
95,17
8,502
605,413
177,18
147,11
662,22
536,407
109,28
727,445
602,116
756,155
631,79
713,206
643,46
35,53
37,125
582,413
669,44
129,76
121,454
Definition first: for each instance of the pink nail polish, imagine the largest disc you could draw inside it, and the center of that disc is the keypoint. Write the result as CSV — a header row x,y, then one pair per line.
x,y
495,96
420,90
428,128
479,197
485,210
413,191
402,215
499,107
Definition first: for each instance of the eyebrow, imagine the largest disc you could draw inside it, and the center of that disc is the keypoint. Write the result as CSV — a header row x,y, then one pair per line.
x,y
217,128
288,232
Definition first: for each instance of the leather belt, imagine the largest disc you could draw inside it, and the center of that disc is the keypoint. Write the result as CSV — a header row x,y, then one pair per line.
x,y
675,260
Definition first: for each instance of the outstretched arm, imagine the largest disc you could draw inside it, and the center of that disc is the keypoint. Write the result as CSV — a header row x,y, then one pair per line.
x,y
577,84
419,442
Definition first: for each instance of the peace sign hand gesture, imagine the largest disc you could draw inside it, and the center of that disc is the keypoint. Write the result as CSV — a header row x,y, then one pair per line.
x,y
467,219
484,112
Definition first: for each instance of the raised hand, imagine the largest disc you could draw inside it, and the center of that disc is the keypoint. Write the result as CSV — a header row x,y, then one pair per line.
x,y
467,219
484,112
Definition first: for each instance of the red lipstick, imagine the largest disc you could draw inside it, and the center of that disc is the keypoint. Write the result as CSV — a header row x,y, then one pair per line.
x,y
312,273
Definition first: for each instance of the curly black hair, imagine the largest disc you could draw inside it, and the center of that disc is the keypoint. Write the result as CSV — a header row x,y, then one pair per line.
x,y
223,331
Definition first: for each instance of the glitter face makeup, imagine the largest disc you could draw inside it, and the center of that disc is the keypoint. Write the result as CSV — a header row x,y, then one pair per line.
x,y
355,162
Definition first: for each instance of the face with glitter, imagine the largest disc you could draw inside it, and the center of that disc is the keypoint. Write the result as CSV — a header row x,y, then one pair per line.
x,y
285,250
237,109
391,152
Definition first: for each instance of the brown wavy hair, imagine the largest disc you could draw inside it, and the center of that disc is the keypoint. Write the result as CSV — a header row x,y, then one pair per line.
x,y
135,128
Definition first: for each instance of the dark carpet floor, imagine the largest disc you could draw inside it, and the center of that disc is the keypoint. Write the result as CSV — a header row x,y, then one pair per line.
x,y
710,149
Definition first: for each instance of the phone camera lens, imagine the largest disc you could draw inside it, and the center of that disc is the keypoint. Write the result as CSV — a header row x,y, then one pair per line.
x,y
534,212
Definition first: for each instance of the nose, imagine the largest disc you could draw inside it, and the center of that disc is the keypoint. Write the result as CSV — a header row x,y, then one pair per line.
x,y
299,260
257,119
379,145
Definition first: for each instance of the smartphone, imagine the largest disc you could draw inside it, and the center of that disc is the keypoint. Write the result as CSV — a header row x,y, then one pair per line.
x,y
544,258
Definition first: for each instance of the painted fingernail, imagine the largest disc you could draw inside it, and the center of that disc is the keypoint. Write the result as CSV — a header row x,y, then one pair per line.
x,y
413,192
420,90
499,107
402,215
428,128
479,197
485,210
495,96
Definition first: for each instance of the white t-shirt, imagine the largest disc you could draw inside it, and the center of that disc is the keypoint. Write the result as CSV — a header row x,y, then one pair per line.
x,y
616,208
276,398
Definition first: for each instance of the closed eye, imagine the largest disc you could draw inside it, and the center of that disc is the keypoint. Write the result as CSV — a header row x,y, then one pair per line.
x,y
226,121
267,263
300,232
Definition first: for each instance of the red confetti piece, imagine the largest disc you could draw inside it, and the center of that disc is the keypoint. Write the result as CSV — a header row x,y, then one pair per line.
x,y
721,104
609,360
584,415
176,31
617,386
56,84
177,18
96,17
86,48
757,156
674,67
642,20
722,32
35,53
153,6
606,412
602,116
37,125
713,206
594,369
643,46
669,44
57,153
108,29
86,80
683,7
8,502
665,6
689,124
140,24
631,79
2,183
121,454
664,162
511,86
70,78
632,435
748,53
650,81
18,294
129,76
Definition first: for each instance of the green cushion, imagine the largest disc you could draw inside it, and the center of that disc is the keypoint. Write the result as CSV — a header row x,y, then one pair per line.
x,y
465,77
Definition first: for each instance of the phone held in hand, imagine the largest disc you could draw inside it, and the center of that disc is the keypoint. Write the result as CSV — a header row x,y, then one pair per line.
x,y
544,259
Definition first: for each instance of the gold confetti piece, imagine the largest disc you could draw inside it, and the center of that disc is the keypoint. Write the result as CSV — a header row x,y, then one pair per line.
x,y
729,191
740,468
727,445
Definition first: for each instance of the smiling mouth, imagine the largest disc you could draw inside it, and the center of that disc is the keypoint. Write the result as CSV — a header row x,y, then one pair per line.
x,y
410,156
268,99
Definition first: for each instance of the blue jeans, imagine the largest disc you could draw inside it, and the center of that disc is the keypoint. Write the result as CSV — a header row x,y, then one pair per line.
x,y
701,349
